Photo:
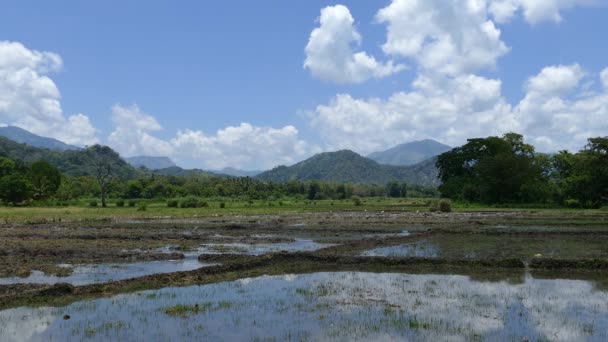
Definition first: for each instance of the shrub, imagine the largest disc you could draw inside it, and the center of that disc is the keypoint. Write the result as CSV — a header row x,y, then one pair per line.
x,y
356,200
190,202
132,203
222,205
120,203
93,204
445,206
142,207
172,203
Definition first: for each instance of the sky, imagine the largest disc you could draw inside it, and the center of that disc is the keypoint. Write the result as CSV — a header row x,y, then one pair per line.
x,y
255,84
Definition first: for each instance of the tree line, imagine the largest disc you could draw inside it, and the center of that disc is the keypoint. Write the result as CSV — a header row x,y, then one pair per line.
x,y
498,170
101,177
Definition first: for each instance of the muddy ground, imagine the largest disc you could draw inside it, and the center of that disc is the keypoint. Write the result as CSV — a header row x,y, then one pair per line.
x,y
481,244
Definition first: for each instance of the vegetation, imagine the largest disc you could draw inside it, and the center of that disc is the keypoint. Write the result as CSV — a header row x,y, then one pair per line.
x,y
497,170
349,167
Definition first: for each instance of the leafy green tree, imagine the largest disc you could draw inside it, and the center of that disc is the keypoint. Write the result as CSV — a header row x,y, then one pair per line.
x,y
392,189
494,170
45,179
14,188
7,166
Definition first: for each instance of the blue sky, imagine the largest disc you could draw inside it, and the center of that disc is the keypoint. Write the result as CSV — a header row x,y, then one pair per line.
x,y
134,75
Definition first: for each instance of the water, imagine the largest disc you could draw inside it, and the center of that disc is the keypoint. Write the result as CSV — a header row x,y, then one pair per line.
x,y
330,306
101,273
298,245
420,248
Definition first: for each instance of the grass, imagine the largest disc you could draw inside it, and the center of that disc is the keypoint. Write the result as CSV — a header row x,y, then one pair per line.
x,y
158,209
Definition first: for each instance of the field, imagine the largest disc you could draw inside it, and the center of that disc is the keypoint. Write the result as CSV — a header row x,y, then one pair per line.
x,y
387,268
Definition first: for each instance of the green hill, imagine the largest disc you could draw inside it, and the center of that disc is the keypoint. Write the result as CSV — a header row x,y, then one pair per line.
x,y
349,167
410,153
72,162
24,137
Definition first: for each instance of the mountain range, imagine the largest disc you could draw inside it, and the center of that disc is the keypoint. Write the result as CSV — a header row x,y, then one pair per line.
x,y
413,163
410,153
22,136
348,166
150,163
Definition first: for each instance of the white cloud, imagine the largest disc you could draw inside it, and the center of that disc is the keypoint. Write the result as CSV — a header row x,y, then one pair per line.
x,y
534,11
453,37
555,113
448,109
604,78
131,135
329,52
31,100
244,146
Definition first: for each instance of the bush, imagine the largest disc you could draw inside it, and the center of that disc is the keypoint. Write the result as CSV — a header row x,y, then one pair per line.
x,y
142,207
190,202
172,203
222,205
120,203
356,200
132,204
445,206
93,204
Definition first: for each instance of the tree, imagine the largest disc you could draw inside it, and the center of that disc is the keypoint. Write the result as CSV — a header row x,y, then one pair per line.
x,y
7,166
392,189
14,188
494,170
45,179
104,165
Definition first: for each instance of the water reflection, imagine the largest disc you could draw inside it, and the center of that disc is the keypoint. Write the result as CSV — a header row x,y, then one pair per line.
x,y
298,245
101,273
422,248
330,306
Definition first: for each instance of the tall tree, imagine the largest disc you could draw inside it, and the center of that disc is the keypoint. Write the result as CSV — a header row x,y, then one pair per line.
x,y
45,178
104,165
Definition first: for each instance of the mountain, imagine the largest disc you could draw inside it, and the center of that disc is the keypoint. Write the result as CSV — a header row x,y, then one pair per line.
x,y
24,137
348,167
179,172
151,163
72,162
410,153
237,173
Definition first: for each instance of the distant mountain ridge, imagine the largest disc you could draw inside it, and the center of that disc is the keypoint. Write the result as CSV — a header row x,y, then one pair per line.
x,y
346,166
151,163
230,171
22,136
410,153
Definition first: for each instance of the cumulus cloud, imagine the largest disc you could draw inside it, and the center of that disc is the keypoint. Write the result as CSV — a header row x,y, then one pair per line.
x,y
244,146
604,78
558,112
453,37
31,100
132,133
534,11
555,113
330,54
448,109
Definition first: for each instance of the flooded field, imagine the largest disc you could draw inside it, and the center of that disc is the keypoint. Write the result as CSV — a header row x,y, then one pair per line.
x,y
319,276
330,306
481,246
101,273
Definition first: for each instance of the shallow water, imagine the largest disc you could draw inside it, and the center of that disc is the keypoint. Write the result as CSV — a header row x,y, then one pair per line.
x,y
422,248
298,245
330,306
101,273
